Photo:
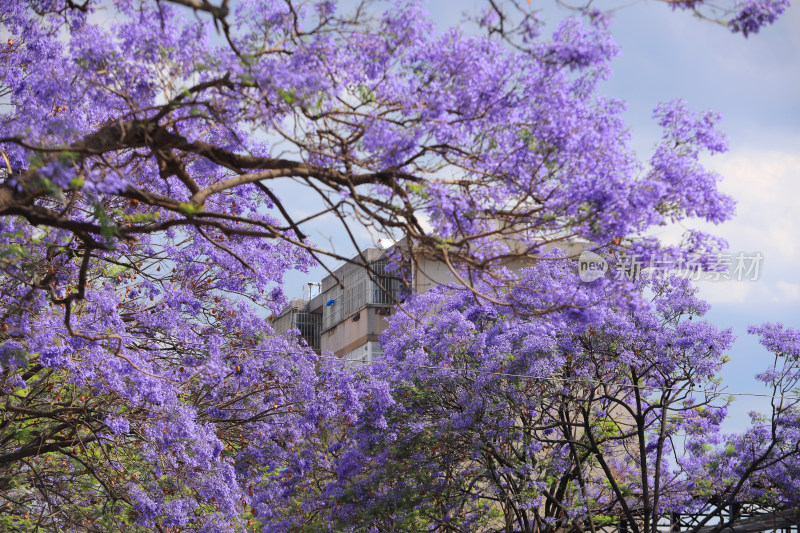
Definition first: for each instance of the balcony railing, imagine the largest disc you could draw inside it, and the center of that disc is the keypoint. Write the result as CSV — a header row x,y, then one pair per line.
x,y
359,291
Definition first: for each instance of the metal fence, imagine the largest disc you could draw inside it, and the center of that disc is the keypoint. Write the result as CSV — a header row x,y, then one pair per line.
x,y
308,324
362,287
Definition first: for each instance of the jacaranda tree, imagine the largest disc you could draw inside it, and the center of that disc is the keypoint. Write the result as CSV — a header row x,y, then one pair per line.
x,y
143,241
573,421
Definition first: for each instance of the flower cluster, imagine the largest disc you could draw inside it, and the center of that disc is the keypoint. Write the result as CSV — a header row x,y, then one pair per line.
x,y
143,245
755,14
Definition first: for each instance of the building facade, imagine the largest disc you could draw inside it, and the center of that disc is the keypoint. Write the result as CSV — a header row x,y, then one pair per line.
x,y
349,314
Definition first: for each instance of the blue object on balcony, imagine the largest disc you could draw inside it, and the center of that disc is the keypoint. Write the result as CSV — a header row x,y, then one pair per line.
x,y
330,303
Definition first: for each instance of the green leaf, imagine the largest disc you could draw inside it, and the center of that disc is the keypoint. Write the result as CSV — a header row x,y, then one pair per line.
x,y
108,228
23,435
366,94
14,250
288,97
138,218
189,209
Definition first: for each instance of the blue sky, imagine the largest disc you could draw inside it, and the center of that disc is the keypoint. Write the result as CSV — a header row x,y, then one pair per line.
x,y
755,84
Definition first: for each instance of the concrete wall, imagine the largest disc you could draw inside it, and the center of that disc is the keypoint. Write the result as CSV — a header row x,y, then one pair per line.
x,y
363,322
364,326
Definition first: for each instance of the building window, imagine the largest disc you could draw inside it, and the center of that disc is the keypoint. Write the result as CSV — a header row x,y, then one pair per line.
x,y
366,353
385,286
298,318
358,289
310,327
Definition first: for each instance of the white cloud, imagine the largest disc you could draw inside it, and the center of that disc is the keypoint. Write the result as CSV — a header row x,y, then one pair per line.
x,y
725,292
786,292
766,187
